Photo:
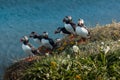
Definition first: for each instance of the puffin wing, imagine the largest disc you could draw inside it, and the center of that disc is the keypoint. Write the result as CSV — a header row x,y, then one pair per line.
x,y
65,31
51,41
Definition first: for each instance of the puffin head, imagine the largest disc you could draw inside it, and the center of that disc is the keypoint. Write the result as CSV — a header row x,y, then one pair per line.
x,y
58,30
33,34
45,34
24,39
80,22
67,19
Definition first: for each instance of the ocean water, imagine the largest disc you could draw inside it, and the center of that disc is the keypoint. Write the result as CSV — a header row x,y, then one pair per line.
x,y
20,17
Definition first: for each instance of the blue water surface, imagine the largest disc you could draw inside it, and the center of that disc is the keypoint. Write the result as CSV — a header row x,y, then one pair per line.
x,y
20,17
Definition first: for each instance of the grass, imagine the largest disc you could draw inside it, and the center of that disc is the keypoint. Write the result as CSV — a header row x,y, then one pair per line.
x,y
97,59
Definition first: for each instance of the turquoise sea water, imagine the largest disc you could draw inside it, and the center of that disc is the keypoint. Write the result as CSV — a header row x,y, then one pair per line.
x,y
20,17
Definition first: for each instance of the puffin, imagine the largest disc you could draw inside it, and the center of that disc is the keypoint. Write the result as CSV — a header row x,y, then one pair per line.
x,y
36,37
69,25
62,30
47,42
43,39
82,31
27,47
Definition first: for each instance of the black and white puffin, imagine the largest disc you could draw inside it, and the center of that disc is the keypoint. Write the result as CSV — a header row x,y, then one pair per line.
x,y
47,42
36,37
81,30
62,30
69,25
28,48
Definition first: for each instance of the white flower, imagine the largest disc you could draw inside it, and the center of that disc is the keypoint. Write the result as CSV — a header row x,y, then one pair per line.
x,y
63,61
119,40
68,56
119,57
76,49
47,75
47,54
102,43
107,49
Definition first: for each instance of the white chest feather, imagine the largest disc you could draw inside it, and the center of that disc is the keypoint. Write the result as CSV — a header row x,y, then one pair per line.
x,y
27,49
81,31
69,28
46,43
